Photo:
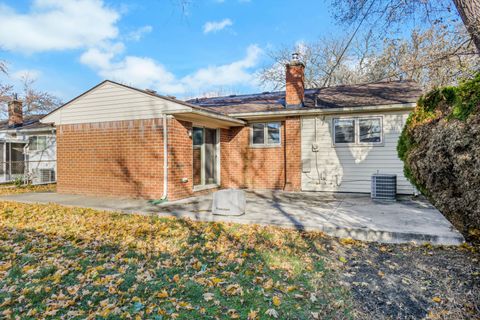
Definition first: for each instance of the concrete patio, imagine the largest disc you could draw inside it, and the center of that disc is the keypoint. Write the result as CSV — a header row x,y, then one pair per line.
x,y
341,215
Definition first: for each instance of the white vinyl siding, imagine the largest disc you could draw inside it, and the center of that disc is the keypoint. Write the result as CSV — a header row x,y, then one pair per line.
x,y
348,168
113,102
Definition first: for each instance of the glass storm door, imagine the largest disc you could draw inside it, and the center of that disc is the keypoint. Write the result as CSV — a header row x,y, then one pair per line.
x,y
205,144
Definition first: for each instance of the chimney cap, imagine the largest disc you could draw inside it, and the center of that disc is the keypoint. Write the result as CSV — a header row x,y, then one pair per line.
x,y
295,61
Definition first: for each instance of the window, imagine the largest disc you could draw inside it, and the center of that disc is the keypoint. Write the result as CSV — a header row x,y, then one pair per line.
x,y
273,133
265,134
258,133
37,143
370,130
197,136
344,130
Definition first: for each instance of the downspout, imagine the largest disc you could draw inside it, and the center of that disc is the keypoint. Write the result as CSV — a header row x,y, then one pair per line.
x,y
25,163
165,164
165,159
285,182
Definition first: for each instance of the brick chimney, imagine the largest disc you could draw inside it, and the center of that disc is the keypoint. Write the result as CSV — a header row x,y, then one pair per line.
x,y
295,82
15,112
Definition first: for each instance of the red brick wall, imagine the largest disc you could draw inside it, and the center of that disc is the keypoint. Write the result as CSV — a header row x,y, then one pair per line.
x,y
180,158
263,168
294,154
294,84
125,159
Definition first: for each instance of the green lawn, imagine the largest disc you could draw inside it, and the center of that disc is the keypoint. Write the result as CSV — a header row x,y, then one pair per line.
x,y
78,263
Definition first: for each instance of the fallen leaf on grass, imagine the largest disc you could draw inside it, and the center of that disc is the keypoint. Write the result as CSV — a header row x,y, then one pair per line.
x,y
272,313
437,299
252,315
233,314
276,300
268,285
208,296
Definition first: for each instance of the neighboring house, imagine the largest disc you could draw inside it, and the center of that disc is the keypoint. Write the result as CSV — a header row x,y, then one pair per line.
x,y
121,141
27,147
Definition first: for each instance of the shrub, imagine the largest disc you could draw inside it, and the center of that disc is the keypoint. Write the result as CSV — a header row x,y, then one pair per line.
x,y
18,182
440,149
468,98
448,102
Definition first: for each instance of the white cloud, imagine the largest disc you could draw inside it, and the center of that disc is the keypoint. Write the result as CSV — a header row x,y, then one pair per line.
x,y
30,74
57,25
145,72
237,72
101,57
214,26
136,35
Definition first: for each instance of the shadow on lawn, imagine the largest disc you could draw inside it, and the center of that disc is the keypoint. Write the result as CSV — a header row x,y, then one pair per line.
x,y
83,271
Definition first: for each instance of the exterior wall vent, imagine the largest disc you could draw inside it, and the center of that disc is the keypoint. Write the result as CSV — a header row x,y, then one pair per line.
x,y
384,187
43,176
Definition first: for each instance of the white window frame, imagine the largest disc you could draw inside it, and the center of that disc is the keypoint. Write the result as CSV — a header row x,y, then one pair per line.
x,y
354,131
381,130
265,143
357,132
36,143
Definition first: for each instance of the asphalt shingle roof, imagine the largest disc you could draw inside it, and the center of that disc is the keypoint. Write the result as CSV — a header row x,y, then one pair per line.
x,y
345,96
29,122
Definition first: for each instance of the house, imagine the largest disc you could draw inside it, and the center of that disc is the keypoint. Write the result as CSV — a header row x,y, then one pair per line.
x,y
122,141
27,147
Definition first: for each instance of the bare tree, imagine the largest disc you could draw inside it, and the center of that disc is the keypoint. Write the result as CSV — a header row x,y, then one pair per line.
x,y
37,101
34,101
469,11
435,57
3,67
432,57
389,16
5,89
319,58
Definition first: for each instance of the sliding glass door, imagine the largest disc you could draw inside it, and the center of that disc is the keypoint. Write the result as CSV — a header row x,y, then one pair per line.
x,y
205,158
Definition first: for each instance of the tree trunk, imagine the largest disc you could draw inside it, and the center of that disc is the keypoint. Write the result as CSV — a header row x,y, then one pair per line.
x,y
469,11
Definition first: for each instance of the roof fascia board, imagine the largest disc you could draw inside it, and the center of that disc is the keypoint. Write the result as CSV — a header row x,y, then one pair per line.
x,y
284,113
224,118
37,129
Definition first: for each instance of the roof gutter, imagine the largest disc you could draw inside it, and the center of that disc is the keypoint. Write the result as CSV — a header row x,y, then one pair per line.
x,y
31,130
212,115
318,111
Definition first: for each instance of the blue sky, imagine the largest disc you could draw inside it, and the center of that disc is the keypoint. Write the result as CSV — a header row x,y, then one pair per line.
x,y
70,46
